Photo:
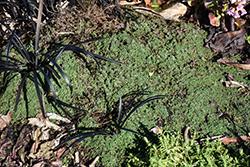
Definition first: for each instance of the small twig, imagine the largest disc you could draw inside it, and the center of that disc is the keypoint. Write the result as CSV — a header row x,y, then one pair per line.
x,y
36,136
214,138
39,19
94,162
77,159
186,136
62,33
44,107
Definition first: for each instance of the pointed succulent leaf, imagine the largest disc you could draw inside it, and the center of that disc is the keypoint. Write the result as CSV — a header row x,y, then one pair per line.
x,y
120,109
49,82
39,94
20,89
25,54
60,70
142,103
131,103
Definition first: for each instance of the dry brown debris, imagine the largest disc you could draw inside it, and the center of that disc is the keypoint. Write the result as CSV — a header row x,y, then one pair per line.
x,y
5,120
237,140
226,42
231,63
33,144
77,24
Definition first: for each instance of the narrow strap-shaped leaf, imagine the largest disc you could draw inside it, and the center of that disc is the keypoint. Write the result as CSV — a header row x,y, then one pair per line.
x,y
6,69
138,94
120,109
21,32
6,2
65,112
90,54
74,137
74,48
70,106
59,54
39,93
25,54
8,64
133,18
10,68
29,13
111,9
118,9
78,140
9,45
53,71
85,135
60,70
107,59
142,103
20,89
129,130
16,60
49,82
82,137
147,10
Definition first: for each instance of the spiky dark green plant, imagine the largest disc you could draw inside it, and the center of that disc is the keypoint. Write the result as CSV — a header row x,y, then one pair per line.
x,y
35,65
18,11
83,136
119,125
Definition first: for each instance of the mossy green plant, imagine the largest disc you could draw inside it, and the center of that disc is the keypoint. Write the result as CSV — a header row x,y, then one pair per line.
x,y
168,57
171,150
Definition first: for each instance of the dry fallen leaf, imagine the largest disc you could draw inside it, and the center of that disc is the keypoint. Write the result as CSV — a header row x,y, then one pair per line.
x,y
157,130
58,153
233,64
237,140
57,163
230,77
6,141
40,123
45,150
233,84
22,142
148,3
171,12
57,117
5,120
125,2
94,162
41,164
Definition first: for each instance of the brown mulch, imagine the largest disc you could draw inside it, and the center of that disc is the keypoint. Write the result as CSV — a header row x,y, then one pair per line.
x,y
91,20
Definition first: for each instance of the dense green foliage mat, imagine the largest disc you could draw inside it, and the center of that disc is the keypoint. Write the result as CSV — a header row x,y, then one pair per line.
x,y
167,57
